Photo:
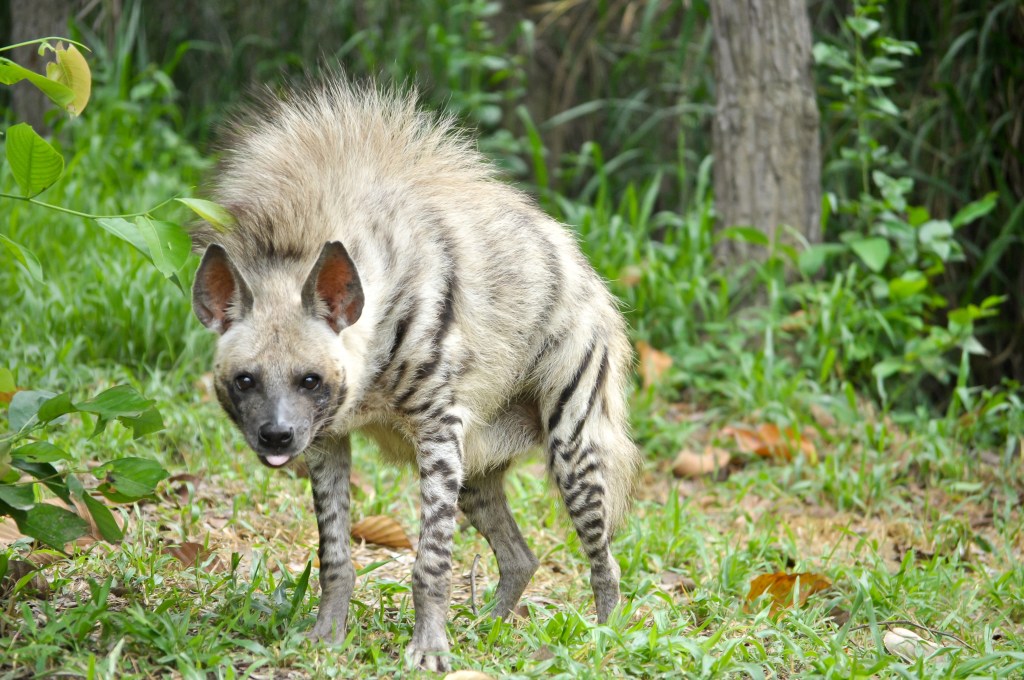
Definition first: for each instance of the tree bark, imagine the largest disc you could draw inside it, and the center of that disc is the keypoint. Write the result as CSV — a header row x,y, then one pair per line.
x,y
31,19
765,140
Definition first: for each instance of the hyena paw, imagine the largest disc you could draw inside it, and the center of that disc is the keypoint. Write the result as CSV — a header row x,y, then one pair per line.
x,y
428,657
327,630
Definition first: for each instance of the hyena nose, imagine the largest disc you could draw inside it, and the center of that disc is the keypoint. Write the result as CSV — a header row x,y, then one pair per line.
x,y
275,436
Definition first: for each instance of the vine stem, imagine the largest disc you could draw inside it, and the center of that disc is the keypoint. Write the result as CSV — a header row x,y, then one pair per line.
x,y
905,622
38,41
89,216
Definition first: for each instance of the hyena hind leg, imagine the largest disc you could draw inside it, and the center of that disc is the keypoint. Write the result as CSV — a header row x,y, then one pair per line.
x,y
482,500
577,472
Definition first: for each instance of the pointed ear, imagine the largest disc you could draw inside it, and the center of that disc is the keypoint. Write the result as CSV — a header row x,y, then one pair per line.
x,y
334,282
217,287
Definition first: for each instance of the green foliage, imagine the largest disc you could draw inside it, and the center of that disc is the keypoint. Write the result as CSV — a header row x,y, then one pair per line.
x,y
25,451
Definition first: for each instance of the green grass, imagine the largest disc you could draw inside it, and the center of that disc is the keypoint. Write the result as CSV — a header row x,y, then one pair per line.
x,y
912,513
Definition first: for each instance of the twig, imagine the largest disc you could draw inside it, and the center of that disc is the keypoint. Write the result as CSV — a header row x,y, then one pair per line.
x,y
904,622
472,584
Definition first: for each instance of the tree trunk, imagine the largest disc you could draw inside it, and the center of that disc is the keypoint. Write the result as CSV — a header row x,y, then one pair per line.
x,y
765,133
31,19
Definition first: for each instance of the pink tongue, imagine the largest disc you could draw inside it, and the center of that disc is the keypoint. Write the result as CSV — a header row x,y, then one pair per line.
x,y
277,460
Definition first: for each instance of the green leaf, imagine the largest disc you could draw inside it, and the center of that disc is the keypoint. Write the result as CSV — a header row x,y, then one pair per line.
x,y
104,519
126,231
5,463
215,214
56,407
909,284
746,234
975,210
40,452
50,524
168,243
129,479
46,474
25,256
24,407
18,496
11,73
933,230
147,422
121,400
34,163
863,26
874,252
7,383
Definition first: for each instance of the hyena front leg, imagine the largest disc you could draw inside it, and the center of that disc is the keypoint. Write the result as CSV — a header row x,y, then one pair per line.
x,y
439,456
330,464
482,499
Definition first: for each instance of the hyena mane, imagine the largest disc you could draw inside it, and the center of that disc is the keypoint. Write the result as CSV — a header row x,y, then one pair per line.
x,y
380,270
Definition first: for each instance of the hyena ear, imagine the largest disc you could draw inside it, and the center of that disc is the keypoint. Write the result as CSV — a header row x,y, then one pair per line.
x,y
334,282
218,286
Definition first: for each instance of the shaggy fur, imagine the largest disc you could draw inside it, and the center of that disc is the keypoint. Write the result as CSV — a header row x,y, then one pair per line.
x,y
438,310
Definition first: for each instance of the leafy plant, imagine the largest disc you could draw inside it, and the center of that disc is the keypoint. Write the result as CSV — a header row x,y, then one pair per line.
x,y
888,255
36,166
25,450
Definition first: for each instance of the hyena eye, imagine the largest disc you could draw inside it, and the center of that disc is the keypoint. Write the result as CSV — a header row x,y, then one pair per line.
x,y
310,381
244,381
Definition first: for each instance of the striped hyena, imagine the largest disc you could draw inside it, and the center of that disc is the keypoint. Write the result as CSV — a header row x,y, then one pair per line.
x,y
379,278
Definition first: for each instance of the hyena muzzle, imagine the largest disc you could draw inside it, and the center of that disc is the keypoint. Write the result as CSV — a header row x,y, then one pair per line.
x,y
380,278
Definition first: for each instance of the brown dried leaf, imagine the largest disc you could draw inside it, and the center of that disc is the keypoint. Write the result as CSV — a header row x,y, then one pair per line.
x,y
381,530
671,580
779,586
194,555
690,464
768,441
9,531
653,363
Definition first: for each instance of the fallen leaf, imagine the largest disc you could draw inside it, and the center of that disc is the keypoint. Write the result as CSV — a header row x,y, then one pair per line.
x,y
468,675
795,322
630,275
907,644
381,530
691,464
671,580
194,555
653,363
779,586
768,441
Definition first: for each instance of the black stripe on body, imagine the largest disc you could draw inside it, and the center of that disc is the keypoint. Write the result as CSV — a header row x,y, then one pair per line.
x,y
570,389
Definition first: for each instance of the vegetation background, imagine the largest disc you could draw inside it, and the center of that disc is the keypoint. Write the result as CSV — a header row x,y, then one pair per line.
x,y
849,410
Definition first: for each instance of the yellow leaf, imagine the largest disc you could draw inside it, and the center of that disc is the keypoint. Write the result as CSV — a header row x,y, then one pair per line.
x,y
72,70
779,586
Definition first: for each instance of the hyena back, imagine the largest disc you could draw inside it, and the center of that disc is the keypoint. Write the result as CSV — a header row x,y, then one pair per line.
x,y
380,279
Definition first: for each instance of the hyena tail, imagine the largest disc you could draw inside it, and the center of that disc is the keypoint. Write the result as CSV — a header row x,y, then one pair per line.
x,y
591,457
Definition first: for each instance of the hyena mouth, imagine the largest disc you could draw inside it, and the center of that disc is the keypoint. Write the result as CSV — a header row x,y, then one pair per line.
x,y
275,460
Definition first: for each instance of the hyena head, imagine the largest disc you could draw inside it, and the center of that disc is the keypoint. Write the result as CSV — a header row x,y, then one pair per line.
x,y
279,372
